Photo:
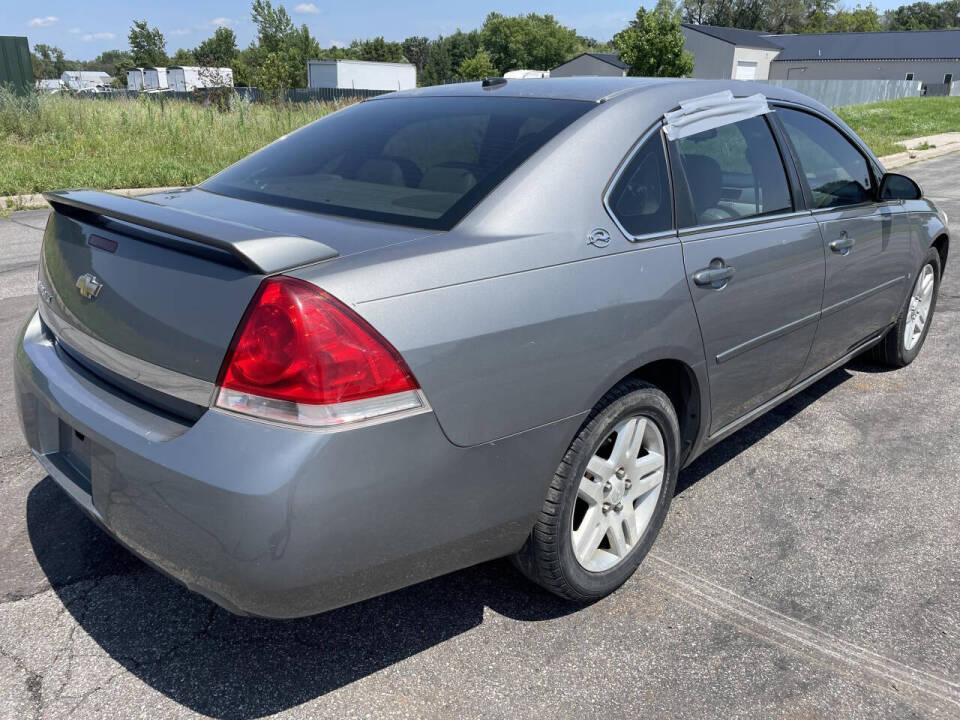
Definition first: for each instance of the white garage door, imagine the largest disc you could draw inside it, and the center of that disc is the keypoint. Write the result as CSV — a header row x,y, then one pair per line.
x,y
746,70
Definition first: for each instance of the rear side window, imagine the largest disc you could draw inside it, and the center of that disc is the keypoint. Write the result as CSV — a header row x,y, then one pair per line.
x,y
640,200
424,162
729,173
837,173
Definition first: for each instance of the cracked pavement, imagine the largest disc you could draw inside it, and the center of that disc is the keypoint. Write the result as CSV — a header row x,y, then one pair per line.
x,y
810,567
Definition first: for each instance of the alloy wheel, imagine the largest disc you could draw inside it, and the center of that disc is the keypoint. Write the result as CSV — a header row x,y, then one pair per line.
x,y
919,311
618,493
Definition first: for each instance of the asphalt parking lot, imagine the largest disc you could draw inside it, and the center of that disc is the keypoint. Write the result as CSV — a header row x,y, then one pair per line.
x,y
810,568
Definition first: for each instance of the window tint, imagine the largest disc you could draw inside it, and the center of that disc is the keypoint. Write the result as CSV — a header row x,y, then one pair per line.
x,y
424,162
641,198
836,171
731,172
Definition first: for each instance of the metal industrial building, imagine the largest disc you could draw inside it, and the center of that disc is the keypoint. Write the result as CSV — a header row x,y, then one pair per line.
x,y
16,70
930,57
603,64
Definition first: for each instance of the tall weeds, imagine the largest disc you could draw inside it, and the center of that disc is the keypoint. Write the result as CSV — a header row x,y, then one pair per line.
x,y
54,141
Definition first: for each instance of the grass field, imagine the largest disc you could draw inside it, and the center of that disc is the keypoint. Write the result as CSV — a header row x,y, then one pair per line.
x,y
886,124
56,142
52,142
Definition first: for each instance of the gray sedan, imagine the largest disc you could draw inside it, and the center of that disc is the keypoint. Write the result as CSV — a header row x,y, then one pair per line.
x,y
459,323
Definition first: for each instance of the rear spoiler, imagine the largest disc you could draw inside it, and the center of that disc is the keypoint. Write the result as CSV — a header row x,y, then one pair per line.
x,y
252,248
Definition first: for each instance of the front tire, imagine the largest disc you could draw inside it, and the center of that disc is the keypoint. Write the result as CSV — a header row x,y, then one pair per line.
x,y
608,497
902,343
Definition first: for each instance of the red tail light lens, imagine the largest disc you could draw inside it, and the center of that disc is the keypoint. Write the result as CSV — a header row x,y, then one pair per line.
x,y
299,345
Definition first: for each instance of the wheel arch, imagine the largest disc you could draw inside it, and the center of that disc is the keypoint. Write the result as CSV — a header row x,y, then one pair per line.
x,y
942,245
679,381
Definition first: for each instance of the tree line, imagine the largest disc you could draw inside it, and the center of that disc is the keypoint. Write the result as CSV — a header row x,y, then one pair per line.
x,y
651,44
818,16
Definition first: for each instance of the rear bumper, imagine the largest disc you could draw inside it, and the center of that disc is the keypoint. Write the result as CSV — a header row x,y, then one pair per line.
x,y
274,521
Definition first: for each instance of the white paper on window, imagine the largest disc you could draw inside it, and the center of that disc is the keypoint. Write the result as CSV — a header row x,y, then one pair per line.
x,y
712,111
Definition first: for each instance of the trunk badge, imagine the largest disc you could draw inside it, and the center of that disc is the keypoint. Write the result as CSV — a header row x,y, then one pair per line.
x,y
89,286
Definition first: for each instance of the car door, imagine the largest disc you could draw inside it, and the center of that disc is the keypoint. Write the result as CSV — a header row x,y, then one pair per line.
x,y
754,263
866,242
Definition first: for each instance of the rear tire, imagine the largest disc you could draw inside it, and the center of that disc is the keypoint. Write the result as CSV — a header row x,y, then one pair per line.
x,y
608,497
902,343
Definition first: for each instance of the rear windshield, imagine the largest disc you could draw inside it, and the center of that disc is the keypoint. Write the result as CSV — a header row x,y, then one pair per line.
x,y
424,162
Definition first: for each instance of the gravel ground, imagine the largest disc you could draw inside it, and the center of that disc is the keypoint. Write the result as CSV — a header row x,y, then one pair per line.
x,y
810,567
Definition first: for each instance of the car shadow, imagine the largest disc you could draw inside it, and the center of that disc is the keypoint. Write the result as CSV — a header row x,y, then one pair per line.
x,y
226,666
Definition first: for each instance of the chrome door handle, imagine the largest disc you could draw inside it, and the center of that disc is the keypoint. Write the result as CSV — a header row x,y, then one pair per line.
x,y
715,276
843,244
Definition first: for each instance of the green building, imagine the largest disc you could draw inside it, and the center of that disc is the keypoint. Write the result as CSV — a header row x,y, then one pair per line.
x,y
16,70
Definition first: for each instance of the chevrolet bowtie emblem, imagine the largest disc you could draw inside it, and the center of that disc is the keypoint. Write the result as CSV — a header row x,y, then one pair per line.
x,y
89,286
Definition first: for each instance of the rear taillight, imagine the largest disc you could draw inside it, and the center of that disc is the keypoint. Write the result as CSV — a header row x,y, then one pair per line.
x,y
302,356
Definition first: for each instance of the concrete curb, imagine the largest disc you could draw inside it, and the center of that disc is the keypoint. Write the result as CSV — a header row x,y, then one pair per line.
x,y
35,200
940,144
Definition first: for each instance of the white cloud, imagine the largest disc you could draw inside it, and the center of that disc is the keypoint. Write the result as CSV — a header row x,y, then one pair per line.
x,y
74,31
98,36
43,21
180,31
309,8
222,21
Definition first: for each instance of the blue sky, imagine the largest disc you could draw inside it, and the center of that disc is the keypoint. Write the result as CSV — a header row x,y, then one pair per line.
x,y
84,29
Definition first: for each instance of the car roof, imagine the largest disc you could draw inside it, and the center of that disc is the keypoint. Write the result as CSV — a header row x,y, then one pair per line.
x,y
591,89
598,89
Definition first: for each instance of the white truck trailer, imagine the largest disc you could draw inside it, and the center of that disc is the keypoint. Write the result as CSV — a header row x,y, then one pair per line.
x,y
187,79
154,79
135,79
360,75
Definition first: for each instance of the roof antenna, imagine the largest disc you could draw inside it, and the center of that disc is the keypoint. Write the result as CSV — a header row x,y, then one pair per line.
x,y
493,82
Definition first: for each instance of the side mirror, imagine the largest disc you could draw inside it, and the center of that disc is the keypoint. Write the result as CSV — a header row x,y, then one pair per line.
x,y
899,187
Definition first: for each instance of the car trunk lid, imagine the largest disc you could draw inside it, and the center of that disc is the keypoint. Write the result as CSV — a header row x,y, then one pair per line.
x,y
149,292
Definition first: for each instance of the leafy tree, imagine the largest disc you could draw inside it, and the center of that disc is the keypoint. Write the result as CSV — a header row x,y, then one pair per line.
x,y
377,50
415,51
860,19
697,11
917,16
219,50
443,56
147,45
112,62
589,44
274,25
273,76
279,43
819,13
48,62
652,44
183,57
478,67
438,67
949,13
301,47
533,41
785,16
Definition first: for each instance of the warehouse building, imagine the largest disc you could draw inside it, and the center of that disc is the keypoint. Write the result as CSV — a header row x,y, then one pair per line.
x,y
592,64
931,57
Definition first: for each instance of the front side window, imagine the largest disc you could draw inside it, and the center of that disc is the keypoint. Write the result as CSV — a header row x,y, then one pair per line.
x,y
640,200
729,173
837,173
424,162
